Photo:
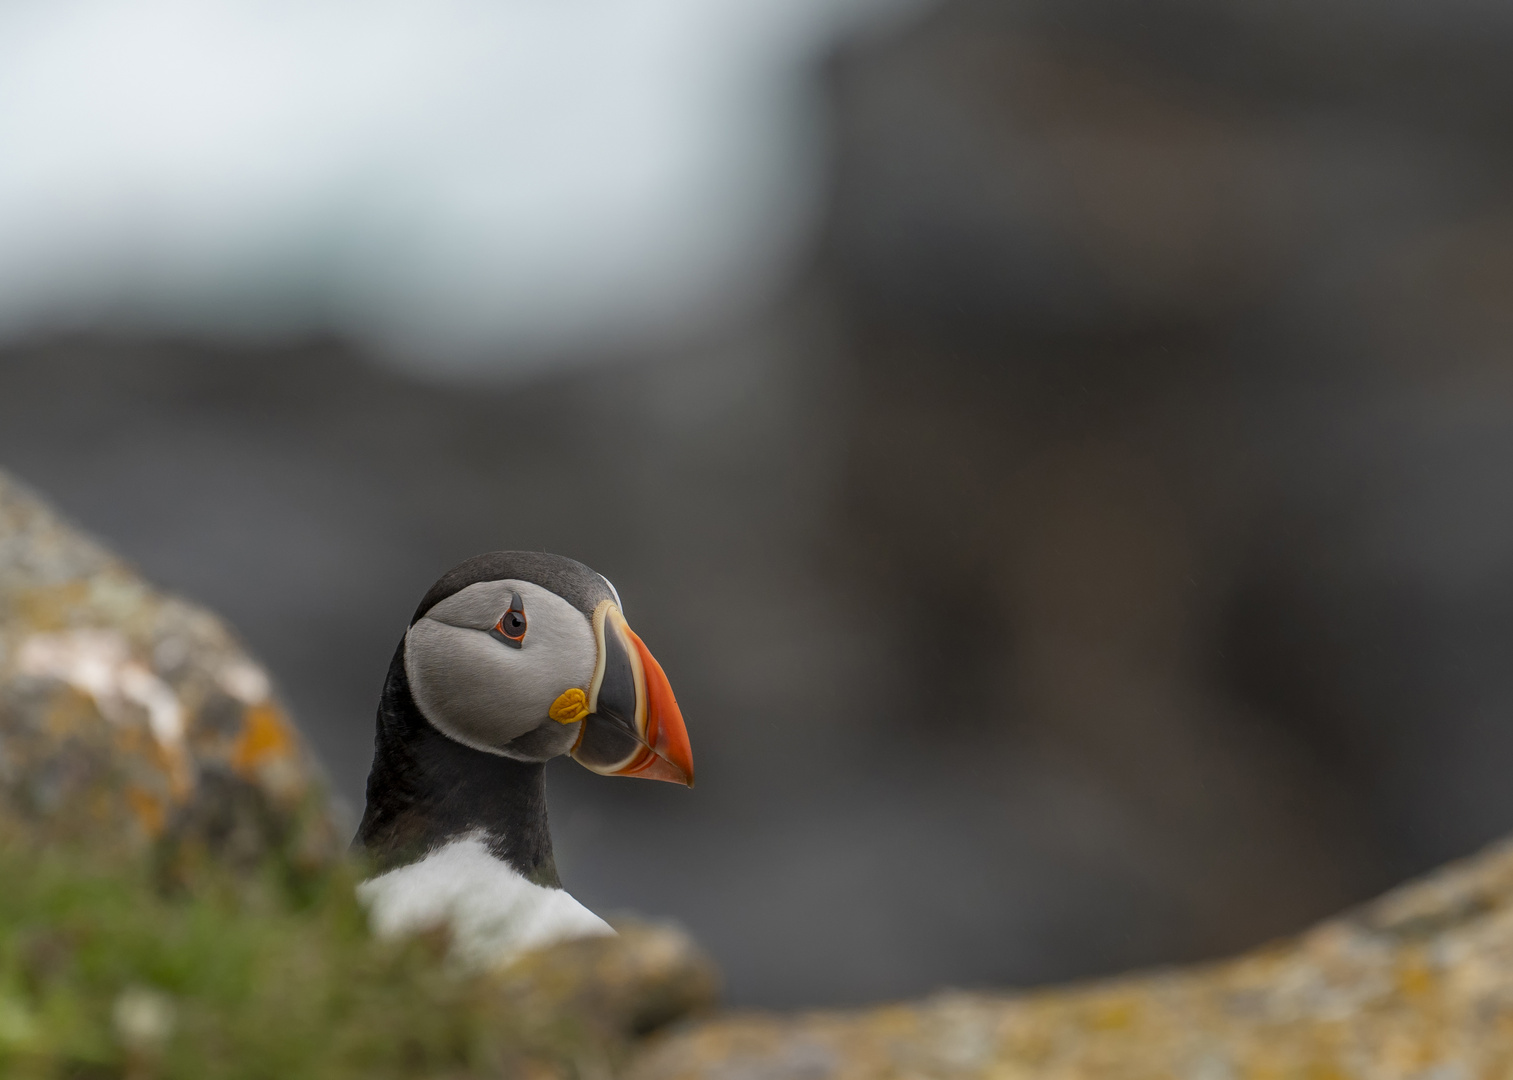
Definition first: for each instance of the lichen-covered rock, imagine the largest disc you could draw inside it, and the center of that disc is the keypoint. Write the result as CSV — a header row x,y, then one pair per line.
x,y
1418,984
646,977
128,716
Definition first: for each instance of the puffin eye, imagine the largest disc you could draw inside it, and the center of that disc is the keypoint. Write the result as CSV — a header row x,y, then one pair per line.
x,y
510,628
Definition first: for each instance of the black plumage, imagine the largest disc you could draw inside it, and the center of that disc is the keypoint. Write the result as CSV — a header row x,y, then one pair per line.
x,y
425,788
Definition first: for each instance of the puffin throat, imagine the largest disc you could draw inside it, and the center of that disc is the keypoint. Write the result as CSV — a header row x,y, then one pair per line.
x,y
426,789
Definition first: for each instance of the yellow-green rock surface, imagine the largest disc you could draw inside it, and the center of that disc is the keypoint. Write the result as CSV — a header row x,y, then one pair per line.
x,y
1418,984
126,714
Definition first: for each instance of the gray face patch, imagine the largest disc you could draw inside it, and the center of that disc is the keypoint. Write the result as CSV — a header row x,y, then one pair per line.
x,y
488,695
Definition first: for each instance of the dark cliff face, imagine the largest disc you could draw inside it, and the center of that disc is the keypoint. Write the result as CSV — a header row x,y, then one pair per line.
x,y
1114,506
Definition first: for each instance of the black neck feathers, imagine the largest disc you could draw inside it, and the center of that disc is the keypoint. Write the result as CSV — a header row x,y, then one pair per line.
x,y
425,789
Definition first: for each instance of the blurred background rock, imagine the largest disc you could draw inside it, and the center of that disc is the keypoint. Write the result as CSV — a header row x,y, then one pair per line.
x,y
1073,506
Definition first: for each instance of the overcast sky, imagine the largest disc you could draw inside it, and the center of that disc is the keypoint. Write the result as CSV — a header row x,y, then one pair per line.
x,y
461,180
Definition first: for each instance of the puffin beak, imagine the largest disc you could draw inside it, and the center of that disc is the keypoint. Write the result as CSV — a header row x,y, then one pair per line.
x,y
634,726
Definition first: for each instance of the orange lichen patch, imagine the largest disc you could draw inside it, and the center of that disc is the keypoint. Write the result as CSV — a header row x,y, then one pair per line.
x,y
1114,1014
170,762
48,607
266,737
137,742
181,773
1326,1071
148,809
1414,979
70,712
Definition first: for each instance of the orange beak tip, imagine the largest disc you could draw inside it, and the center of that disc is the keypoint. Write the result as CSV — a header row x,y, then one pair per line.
x,y
666,733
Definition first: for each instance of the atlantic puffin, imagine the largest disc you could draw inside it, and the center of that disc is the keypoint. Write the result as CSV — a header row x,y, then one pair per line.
x,y
511,659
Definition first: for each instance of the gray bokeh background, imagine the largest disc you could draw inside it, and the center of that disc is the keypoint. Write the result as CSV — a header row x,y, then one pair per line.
x,y
1095,550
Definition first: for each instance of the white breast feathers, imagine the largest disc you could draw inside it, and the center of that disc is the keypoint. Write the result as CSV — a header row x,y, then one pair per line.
x,y
494,912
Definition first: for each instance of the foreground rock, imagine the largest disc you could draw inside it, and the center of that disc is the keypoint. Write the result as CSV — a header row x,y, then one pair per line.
x,y
1418,985
128,716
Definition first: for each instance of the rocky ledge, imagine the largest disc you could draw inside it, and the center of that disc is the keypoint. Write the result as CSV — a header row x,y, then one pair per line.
x,y
1418,984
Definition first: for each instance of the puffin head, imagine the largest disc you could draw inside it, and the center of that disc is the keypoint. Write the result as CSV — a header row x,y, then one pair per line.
x,y
528,656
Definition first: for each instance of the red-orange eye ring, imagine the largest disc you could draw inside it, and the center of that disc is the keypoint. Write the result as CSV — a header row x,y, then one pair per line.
x,y
511,626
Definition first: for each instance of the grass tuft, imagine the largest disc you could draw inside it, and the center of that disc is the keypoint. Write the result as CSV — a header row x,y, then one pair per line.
x,y
105,972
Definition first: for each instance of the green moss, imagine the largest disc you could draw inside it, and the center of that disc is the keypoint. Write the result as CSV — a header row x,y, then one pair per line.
x,y
271,973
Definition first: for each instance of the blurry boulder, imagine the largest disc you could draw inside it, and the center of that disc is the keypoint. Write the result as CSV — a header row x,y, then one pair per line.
x,y
1416,984
128,717
620,988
